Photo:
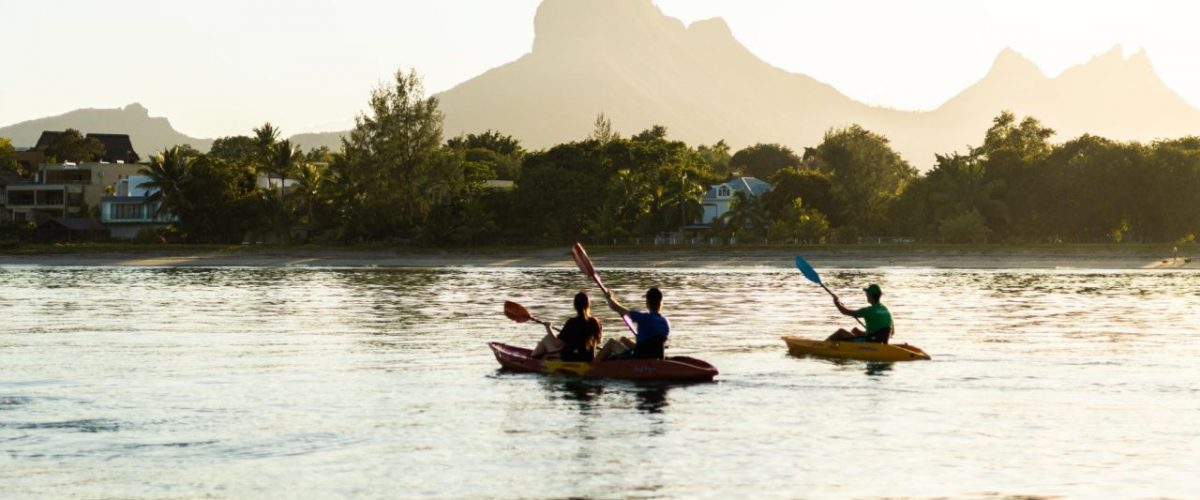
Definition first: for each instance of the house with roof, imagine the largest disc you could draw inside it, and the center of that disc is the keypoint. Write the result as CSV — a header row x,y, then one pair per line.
x,y
719,198
64,190
71,229
118,148
132,207
6,179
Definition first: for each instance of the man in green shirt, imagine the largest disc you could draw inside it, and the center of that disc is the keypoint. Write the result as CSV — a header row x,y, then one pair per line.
x,y
877,317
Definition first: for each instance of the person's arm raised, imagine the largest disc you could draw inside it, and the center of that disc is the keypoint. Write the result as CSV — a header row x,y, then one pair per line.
x,y
842,308
615,306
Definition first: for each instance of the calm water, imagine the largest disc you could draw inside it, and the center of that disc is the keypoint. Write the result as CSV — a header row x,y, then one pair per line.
x,y
128,382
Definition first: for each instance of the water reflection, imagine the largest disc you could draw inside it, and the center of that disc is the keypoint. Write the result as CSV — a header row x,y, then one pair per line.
x,y
381,369
649,397
578,390
652,398
871,368
878,369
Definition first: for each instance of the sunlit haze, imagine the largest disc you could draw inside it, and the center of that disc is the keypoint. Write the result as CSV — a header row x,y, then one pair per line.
x,y
221,67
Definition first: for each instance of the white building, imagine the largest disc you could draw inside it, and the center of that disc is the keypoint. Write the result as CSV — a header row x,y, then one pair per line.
x,y
133,207
720,197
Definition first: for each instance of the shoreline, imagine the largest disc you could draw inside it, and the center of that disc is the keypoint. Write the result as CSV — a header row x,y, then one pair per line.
x,y
859,256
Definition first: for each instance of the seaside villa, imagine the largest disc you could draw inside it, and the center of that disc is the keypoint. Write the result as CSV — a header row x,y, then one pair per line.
x,y
719,198
133,207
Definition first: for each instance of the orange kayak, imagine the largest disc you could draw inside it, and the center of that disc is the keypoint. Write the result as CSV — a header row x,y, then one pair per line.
x,y
681,368
865,351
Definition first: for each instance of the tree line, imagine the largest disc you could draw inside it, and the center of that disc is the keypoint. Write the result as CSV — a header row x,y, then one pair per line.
x,y
395,179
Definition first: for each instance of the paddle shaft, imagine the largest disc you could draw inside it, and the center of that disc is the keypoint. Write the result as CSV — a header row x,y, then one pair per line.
x,y
809,272
521,314
585,264
835,297
604,289
544,323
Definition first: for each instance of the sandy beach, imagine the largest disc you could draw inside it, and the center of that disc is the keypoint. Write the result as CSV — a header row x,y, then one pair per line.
x,y
625,257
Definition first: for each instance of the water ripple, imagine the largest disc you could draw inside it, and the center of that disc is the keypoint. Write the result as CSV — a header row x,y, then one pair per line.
x,y
378,383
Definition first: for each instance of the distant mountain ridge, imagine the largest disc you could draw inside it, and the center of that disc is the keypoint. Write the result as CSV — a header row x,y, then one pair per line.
x,y
149,134
641,68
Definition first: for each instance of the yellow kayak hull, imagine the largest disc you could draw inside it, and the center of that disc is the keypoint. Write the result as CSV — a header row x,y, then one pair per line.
x,y
865,351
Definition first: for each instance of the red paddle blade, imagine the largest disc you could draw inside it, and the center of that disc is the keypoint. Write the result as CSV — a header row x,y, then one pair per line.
x,y
582,260
516,312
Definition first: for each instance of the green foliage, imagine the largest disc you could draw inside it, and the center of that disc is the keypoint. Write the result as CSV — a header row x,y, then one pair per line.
x,y
237,150
602,130
170,172
814,187
797,224
1015,153
390,164
747,219
967,227
562,190
1117,234
320,154
641,186
500,154
867,176
763,160
394,180
715,158
656,186
203,192
490,140
8,158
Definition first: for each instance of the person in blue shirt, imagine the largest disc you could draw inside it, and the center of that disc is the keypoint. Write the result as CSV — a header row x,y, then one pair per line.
x,y
652,330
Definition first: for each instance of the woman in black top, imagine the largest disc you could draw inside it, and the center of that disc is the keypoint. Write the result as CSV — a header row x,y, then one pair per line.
x,y
578,338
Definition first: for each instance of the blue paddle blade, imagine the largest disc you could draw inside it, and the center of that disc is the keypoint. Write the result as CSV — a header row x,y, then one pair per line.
x,y
807,270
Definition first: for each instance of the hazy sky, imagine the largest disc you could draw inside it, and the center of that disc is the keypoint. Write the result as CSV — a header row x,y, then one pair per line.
x,y
220,67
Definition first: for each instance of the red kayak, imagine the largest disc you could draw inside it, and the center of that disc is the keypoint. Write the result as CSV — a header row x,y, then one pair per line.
x,y
673,368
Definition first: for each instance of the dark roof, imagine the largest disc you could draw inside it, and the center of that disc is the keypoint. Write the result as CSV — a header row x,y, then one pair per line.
x,y
117,147
77,223
46,139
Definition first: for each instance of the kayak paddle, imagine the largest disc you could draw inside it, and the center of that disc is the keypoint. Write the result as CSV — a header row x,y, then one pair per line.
x,y
585,264
519,313
807,270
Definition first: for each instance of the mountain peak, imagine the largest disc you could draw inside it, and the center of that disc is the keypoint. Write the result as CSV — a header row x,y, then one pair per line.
x,y
716,27
136,109
589,26
1112,65
1112,57
1011,65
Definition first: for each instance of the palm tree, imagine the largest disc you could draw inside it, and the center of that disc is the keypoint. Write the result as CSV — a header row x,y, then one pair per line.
x,y
282,160
310,180
169,173
747,217
266,135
